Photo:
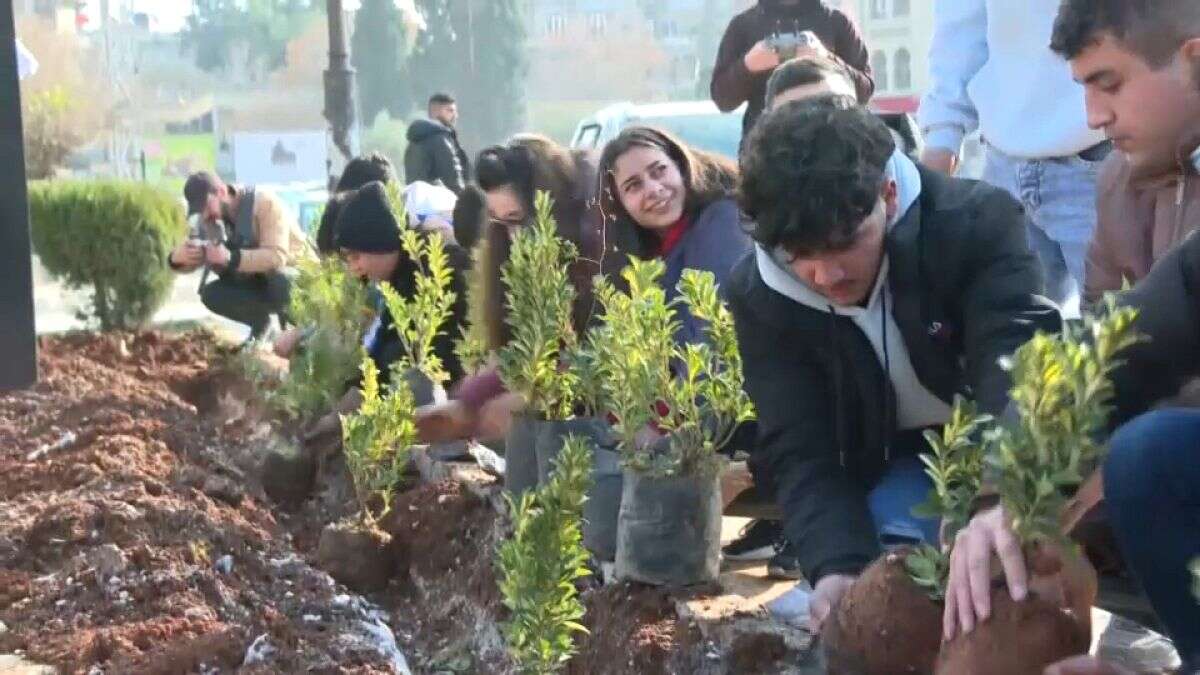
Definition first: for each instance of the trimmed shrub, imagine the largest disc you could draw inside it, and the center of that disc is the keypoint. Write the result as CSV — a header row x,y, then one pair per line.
x,y
112,238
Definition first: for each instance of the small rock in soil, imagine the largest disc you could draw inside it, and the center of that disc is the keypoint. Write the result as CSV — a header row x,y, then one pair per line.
x,y
223,489
288,471
108,560
224,564
3,628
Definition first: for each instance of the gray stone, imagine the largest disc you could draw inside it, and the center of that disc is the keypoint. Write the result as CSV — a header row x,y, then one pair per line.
x,y
223,489
3,628
108,561
224,564
288,471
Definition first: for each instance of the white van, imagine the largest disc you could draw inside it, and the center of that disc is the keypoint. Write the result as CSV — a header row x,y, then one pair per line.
x,y
701,125
697,123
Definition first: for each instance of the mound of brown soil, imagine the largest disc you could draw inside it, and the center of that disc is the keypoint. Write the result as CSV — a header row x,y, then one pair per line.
x,y
128,538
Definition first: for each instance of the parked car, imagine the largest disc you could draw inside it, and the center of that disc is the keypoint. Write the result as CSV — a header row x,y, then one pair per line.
x,y
701,125
305,200
698,123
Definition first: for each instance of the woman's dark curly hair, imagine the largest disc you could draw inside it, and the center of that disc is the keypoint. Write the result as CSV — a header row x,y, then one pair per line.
x,y
706,177
812,171
366,169
529,164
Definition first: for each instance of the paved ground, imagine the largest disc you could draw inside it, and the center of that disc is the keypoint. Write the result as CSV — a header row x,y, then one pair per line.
x,y
55,306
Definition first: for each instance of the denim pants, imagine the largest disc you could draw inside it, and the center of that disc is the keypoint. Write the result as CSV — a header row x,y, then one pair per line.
x,y
904,486
1152,498
1059,196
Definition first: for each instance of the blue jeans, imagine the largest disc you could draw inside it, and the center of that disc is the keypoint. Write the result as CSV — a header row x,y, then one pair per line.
x,y
904,485
1152,494
1059,196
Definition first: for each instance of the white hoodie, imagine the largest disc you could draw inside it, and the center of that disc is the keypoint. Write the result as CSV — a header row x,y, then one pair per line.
x,y
991,69
916,406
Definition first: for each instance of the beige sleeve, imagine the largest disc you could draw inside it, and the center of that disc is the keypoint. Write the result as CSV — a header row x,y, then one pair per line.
x,y
273,226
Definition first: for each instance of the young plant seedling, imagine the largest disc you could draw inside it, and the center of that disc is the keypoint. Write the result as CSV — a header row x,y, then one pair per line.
x,y
332,304
692,393
540,564
419,318
375,443
539,298
1062,393
955,466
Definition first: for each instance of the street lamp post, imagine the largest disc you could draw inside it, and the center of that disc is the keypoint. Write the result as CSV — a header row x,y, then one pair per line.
x,y
18,339
339,84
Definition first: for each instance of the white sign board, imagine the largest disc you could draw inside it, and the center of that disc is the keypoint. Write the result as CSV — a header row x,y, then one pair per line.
x,y
283,157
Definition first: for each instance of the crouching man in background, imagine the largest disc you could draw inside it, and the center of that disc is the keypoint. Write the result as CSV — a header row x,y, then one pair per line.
x,y
247,237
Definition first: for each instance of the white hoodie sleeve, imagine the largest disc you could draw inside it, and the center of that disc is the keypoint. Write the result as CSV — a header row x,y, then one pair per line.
x,y
958,50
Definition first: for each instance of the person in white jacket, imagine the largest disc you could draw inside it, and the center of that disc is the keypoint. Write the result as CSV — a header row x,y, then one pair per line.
x,y
992,70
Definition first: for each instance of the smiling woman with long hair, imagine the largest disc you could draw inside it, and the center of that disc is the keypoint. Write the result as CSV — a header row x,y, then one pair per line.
x,y
672,202
657,198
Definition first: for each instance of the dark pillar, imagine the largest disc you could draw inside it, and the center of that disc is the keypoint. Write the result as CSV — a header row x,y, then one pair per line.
x,y
339,83
18,341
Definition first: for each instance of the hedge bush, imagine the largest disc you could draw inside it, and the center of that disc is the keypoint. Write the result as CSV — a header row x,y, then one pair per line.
x,y
112,238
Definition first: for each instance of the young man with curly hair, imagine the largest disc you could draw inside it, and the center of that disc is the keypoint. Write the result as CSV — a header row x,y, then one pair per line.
x,y
877,292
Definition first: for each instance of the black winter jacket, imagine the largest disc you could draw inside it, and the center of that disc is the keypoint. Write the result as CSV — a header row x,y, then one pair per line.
x,y
387,348
966,292
433,154
733,84
1168,304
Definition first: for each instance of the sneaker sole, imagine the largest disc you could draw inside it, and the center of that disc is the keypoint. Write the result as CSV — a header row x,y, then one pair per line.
x,y
753,555
776,572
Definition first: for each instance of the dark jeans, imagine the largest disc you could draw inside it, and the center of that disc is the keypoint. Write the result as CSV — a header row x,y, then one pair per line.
x,y
250,299
1152,490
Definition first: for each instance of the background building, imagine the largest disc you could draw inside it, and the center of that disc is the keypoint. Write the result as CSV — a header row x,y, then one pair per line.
x,y
897,33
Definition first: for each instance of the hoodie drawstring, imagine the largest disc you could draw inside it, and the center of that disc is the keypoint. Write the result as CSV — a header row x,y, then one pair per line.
x,y
839,436
887,380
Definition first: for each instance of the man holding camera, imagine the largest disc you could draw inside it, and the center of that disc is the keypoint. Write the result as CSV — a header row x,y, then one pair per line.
x,y
247,237
773,31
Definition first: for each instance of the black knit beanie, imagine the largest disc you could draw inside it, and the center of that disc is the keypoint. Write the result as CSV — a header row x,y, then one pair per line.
x,y
366,223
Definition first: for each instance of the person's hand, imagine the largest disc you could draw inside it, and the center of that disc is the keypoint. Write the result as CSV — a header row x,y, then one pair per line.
x,y
1085,665
444,422
969,589
941,160
328,425
188,255
814,50
217,256
286,343
825,598
331,423
761,58
496,416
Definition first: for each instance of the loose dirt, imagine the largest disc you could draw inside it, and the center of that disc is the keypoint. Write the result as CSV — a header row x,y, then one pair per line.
x,y
136,538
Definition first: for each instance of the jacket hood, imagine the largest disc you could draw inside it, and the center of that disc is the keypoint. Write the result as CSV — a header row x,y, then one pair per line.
x,y
422,129
779,277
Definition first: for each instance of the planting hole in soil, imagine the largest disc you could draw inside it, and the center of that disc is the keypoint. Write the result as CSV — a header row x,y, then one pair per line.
x,y
356,555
